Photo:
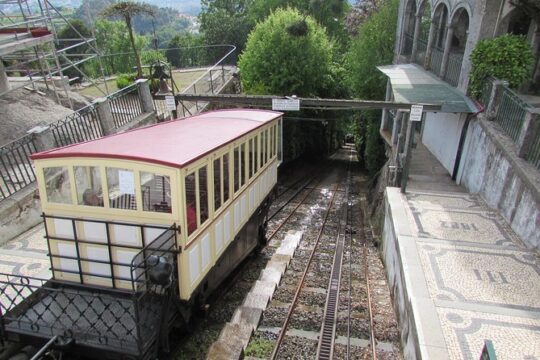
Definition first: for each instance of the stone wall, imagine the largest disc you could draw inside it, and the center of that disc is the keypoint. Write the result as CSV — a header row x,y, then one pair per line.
x,y
490,167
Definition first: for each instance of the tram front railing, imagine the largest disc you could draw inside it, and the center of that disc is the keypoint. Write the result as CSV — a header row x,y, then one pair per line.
x,y
126,321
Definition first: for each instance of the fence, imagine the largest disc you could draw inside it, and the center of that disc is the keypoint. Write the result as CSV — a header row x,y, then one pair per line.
x,y
407,46
210,82
453,68
81,126
510,113
126,104
436,60
15,167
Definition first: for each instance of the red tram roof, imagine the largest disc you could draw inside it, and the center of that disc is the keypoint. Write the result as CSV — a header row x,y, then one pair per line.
x,y
175,143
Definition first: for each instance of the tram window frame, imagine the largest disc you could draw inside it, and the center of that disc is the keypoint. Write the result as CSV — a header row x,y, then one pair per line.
x,y
262,149
110,189
256,160
88,187
203,211
243,164
250,159
165,205
217,167
236,173
266,136
61,192
188,197
226,177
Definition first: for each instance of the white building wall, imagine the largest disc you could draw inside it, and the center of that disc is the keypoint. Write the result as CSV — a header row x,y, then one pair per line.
x,y
441,136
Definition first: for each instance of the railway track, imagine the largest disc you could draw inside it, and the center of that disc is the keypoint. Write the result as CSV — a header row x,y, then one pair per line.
x,y
340,227
302,205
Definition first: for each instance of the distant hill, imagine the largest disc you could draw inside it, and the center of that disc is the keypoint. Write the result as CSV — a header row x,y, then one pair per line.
x,y
190,7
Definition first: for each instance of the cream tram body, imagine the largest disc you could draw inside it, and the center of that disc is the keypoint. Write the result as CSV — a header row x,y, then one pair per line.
x,y
105,199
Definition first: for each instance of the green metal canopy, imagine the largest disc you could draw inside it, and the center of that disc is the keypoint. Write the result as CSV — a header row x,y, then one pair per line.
x,y
413,85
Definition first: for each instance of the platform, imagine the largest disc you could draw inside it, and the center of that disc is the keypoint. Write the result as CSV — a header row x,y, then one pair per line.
x,y
458,273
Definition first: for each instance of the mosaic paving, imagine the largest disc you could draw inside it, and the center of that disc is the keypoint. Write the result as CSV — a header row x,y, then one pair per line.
x,y
475,227
513,337
438,201
503,277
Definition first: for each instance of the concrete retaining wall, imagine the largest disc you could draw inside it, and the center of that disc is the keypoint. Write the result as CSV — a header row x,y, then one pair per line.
x,y
490,167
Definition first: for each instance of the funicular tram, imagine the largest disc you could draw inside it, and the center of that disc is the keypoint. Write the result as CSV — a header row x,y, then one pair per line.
x,y
141,227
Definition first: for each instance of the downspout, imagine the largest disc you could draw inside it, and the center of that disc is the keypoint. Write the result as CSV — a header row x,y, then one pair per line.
x,y
498,18
462,138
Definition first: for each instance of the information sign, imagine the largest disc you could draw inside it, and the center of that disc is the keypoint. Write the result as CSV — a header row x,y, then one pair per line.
x,y
286,104
416,112
169,102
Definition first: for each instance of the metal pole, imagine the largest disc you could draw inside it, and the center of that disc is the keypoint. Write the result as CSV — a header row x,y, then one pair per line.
x,y
407,159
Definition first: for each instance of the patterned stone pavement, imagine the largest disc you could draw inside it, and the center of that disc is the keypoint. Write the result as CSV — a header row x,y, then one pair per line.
x,y
480,279
26,255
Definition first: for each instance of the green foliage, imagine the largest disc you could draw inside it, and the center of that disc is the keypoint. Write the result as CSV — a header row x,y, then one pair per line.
x,y
373,46
507,57
113,41
183,52
151,56
225,22
124,80
74,30
127,10
259,347
276,62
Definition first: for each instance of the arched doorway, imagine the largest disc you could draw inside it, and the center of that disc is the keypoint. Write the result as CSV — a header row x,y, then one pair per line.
x,y
458,32
439,28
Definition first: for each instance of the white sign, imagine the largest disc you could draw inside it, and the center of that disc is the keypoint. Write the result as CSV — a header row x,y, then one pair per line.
x,y
126,182
416,112
286,104
169,102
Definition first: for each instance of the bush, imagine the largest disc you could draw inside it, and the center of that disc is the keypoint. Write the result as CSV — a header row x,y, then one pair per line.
x,y
507,57
124,80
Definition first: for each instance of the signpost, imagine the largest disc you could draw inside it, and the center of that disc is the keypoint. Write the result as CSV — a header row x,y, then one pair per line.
x,y
414,115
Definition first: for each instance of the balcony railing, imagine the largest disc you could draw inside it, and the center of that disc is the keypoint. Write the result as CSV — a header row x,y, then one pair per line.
x,y
517,119
510,113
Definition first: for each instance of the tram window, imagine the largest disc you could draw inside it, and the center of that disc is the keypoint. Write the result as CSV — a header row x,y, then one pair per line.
x,y
57,185
261,163
250,161
156,192
88,185
217,184
236,169
242,164
255,160
225,177
266,146
121,184
203,194
191,204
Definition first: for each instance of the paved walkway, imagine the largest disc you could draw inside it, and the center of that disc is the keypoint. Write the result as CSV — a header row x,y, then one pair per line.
x,y
467,276
26,255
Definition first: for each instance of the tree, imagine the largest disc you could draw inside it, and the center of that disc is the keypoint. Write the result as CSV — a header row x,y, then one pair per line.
x,y
127,10
287,54
74,30
373,46
225,22
184,50
113,41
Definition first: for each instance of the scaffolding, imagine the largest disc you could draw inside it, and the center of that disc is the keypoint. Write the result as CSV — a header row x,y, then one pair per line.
x,y
33,53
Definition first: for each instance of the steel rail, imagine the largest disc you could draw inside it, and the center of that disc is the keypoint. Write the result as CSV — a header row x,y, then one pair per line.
x,y
281,336
292,212
368,288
